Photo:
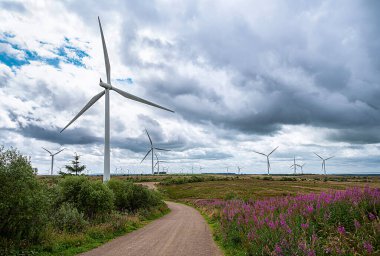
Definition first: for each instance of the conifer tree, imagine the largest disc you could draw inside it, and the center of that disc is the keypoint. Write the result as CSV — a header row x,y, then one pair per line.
x,y
75,166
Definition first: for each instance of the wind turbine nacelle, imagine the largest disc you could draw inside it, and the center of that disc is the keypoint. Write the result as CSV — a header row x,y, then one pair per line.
x,y
105,85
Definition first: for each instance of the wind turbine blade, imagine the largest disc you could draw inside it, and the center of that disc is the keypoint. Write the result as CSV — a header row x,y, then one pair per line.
x,y
156,156
145,155
318,156
106,59
329,158
133,97
88,105
259,153
147,133
47,150
59,151
155,164
292,165
273,151
162,149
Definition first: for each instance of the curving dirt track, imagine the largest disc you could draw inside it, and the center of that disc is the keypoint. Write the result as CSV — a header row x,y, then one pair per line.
x,y
182,232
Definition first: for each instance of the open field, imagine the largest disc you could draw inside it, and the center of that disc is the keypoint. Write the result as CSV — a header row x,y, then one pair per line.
x,y
257,187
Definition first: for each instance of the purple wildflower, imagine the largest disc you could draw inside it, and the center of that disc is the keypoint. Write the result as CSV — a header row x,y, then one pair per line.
x,y
368,247
341,230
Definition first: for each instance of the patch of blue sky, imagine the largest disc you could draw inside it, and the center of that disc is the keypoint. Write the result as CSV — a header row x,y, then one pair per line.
x,y
125,80
66,54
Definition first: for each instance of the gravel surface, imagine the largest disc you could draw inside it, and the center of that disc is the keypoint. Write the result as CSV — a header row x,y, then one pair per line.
x,y
181,232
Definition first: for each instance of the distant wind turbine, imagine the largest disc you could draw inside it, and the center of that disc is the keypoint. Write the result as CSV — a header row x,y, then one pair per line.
x,y
324,162
158,163
239,169
107,87
301,166
52,158
151,150
294,165
268,163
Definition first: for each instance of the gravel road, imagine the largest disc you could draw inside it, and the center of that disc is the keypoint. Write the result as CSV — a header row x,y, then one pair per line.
x,y
182,232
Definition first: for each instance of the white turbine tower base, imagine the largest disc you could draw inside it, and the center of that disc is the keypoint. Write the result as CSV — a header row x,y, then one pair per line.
x,y
107,87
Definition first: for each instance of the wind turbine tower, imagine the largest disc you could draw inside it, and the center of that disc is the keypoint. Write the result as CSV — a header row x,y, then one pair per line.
x,y
294,165
324,162
267,156
52,158
107,87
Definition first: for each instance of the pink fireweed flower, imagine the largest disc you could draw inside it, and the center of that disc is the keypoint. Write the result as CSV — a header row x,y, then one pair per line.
x,y
371,216
305,225
251,236
277,249
368,247
341,230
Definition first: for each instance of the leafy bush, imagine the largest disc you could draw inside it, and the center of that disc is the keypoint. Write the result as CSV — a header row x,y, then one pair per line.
x,y
131,197
69,219
90,197
24,204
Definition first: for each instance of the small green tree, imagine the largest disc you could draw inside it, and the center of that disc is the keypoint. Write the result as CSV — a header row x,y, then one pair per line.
x,y
75,165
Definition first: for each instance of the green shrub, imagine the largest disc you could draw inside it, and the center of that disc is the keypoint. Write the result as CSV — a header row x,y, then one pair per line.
x,y
69,219
90,197
24,204
131,197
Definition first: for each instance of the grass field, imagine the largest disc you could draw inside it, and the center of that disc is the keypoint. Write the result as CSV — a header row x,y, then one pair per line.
x,y
257,187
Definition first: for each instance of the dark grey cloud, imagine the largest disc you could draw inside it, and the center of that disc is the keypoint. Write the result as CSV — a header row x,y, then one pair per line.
x,y
301,71
76,136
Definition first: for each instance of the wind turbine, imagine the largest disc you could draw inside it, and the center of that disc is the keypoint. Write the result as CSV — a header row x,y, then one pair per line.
x,y
301,166
107,87
200,169
294,165
239,168
152,148
324,162
268,163
52,158
158,163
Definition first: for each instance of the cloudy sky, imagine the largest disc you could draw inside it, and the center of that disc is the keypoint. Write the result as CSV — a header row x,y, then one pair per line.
x,y
241,76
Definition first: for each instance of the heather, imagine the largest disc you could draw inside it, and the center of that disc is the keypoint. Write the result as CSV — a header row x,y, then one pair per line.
x,y
330,223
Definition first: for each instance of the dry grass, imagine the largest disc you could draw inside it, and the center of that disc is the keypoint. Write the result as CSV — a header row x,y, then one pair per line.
x,y
256,187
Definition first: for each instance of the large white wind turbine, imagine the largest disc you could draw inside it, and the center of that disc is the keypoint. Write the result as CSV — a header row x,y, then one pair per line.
x,y
107,87
52,158
151,150
323,162
268,163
